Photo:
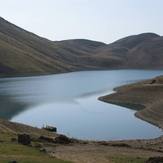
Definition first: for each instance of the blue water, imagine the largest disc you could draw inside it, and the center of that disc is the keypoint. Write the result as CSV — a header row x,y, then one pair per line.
x,y
69,102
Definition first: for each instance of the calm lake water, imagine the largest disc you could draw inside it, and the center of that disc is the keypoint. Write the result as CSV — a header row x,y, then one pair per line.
x,y
69,102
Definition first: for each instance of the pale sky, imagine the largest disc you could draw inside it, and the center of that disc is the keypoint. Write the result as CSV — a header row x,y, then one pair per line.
x,y
101,20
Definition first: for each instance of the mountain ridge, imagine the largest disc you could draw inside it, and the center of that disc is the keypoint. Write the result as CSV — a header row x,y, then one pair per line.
x,y
25,53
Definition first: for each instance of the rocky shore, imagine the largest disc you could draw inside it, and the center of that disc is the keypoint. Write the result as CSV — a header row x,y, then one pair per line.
x,y
145,97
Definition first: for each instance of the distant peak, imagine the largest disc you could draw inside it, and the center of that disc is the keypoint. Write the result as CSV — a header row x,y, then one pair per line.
x,y
2,19
149,34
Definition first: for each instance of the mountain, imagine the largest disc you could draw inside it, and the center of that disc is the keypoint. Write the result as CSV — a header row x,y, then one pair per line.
x,y
24,53
137,51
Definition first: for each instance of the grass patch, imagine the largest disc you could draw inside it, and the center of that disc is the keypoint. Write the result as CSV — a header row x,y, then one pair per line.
x,y
32,160
24,154
12,151
6,137
127,159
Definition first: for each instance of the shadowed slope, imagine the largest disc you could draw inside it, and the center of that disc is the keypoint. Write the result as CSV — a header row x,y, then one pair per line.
x,y
24,53
138,51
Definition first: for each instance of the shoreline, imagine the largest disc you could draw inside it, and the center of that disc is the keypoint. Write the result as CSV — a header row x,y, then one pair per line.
x,y
32,74
135,106
79,151
132,106
144,97
53,146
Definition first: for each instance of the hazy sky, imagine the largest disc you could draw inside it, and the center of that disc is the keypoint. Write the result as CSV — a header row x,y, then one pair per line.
x,y
102,20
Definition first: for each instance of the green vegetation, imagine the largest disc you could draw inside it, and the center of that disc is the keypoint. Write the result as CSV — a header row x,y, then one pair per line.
x,y
10,150
127,159
34,160
25,154
40,151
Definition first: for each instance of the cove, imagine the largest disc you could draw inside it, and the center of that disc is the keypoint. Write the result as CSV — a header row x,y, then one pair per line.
x,y
70,102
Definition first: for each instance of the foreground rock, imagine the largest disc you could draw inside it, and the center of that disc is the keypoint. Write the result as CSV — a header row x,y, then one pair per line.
x,y
24,139
13,162
146,97
60,139
155,160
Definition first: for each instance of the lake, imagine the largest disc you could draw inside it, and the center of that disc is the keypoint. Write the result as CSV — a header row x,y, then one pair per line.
x,y
69,102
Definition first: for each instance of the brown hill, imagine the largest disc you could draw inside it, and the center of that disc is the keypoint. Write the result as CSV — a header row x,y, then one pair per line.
x,y
138,51
24,53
